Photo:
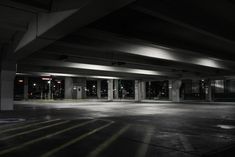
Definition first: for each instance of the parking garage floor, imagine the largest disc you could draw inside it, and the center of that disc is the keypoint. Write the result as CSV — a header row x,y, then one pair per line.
x,y
117,129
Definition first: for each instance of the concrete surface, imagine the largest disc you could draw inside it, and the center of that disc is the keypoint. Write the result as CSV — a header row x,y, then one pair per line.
x,y
117,129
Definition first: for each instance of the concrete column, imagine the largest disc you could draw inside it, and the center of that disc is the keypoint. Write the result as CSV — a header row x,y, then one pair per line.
x,y
7,75
49,90
116,96
68,87
170,89
149,90
208,91
41,96
98,89
143,90
26,88
110,90
176,90
137,90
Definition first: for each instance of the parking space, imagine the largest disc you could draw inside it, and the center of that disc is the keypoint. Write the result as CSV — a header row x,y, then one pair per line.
x,y
117,129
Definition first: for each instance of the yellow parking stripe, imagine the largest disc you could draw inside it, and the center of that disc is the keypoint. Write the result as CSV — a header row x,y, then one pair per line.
x,y
51,152
143,149
29,125
108,142
30,131
22,145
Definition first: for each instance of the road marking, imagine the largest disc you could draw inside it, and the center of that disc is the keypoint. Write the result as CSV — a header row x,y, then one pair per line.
x,y
30,131
22,145
107,143
26,126
142,151
51,152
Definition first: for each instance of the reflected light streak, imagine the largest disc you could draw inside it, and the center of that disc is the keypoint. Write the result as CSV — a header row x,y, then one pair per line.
x,y
113,69
162,53
69,75
152,52
208,62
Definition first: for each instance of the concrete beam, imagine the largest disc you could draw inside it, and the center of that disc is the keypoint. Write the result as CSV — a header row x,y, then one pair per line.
x,y
96,67
117,43
77,52
46,28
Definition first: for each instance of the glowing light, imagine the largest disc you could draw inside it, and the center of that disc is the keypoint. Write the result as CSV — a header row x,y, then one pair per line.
x,y
49,82
34,84
113,69
152,52
226,126
20,81
46,78
168,54
208,62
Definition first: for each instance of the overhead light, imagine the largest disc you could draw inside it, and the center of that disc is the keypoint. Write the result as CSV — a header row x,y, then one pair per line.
x,y
20,81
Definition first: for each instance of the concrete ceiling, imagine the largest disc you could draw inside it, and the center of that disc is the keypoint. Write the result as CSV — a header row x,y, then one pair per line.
x,y
148,39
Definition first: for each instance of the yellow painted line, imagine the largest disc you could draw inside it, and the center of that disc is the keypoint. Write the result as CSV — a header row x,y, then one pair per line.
x,y
107,143
30,131
186,144
142,151
27,126
22,145
51,152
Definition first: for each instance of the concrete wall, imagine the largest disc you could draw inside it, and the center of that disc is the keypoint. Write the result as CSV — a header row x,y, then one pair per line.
x,y
70,83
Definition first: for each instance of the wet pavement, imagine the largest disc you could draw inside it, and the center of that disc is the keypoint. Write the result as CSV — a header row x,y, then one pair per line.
x,y
117,129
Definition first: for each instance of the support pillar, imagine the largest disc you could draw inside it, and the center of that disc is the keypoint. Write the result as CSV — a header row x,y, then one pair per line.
x,y
170,90
116,95
26,88
110,90
143,90
99,89
208,91
68,87
176,90
7,75
49,90
137,90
